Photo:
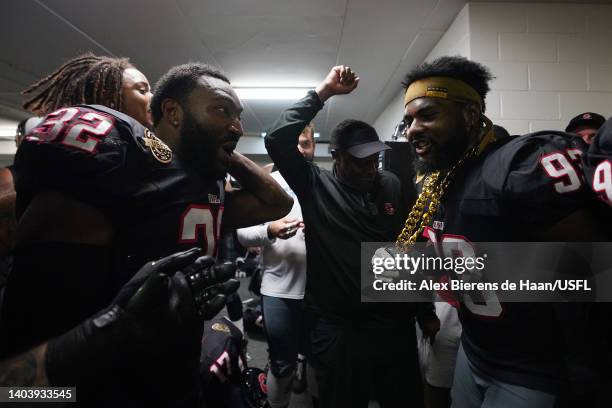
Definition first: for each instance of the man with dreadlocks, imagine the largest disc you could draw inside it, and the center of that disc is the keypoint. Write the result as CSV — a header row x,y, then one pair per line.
x,y
93,80
98,196
86,79
478,189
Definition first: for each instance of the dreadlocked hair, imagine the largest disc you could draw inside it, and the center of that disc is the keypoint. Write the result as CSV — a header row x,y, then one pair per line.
x,y
86,79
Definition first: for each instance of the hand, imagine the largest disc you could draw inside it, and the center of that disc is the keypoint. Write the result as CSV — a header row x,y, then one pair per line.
x,y
340,80
209,283
284,228
254,251
152,329
378,262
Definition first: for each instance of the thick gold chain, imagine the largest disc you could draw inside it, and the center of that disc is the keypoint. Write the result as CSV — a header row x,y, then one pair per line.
x,y
431,194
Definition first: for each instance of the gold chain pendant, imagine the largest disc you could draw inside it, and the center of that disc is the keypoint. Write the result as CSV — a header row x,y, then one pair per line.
x,y
430,197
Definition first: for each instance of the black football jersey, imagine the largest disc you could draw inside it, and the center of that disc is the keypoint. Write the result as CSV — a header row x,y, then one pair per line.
x,y
508,193
109,161
597,163
222,358
113,163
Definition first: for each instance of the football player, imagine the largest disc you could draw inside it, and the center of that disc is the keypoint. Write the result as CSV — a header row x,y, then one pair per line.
x,y
85,79
94,80
479,189
99,195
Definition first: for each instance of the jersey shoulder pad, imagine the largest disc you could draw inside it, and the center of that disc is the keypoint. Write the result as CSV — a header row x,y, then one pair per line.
x,y
597,163
537,177
532,164
88,152
141,139
603,140
601,148
94,133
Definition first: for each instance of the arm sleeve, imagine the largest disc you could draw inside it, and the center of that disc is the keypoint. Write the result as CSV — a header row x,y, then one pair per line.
x,y
597,163
527,173
281,142
254,236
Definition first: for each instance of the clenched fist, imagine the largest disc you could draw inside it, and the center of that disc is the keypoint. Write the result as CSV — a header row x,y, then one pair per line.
x,y
340,80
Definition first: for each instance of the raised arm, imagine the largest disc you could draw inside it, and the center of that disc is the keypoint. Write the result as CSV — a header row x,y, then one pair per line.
x,y
259,199
282,140
340,80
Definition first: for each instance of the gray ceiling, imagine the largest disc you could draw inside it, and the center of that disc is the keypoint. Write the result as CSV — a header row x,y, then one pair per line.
x,y
264,41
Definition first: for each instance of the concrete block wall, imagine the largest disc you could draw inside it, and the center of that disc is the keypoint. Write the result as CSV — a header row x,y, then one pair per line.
x,y
552,61
455,41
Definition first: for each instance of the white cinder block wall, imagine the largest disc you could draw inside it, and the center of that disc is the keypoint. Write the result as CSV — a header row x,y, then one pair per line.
x,y
552,62
454,42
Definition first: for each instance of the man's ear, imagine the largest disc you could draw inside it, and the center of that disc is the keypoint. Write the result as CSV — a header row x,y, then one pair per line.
x,y
471,115
173,112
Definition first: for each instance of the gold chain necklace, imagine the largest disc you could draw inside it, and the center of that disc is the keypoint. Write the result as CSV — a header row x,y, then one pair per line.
x,y
433,191
431,194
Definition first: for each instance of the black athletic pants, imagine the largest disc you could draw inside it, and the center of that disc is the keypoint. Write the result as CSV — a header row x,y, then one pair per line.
x,y
354,365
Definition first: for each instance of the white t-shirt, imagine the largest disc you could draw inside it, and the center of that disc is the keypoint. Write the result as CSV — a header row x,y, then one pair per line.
x,y
438,361
284,260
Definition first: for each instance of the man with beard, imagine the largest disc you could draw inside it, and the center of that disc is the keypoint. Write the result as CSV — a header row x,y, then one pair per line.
x,y
479,189
342,208
98,196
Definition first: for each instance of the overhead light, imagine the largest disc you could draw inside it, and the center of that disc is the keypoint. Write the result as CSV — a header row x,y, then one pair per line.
x,y
264,134
271,93
8,131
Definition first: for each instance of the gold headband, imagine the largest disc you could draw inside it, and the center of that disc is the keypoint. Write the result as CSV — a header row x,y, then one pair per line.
x,y
442,87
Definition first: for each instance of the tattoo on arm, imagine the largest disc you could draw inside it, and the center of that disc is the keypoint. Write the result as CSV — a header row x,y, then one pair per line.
x,y
26,369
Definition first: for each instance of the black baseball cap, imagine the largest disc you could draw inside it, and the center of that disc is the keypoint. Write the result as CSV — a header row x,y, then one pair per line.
x,y
361,142
586,118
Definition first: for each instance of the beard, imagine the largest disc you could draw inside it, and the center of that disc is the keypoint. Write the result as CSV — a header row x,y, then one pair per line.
x,y
197,149
443,157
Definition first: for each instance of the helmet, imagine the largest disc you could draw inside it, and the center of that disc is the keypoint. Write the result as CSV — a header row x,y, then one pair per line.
x,y
254,388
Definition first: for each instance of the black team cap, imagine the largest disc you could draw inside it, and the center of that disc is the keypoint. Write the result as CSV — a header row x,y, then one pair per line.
x,y
360,143
586,118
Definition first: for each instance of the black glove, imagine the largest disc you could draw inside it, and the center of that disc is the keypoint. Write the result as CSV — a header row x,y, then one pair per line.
x,y
210,283
151,332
